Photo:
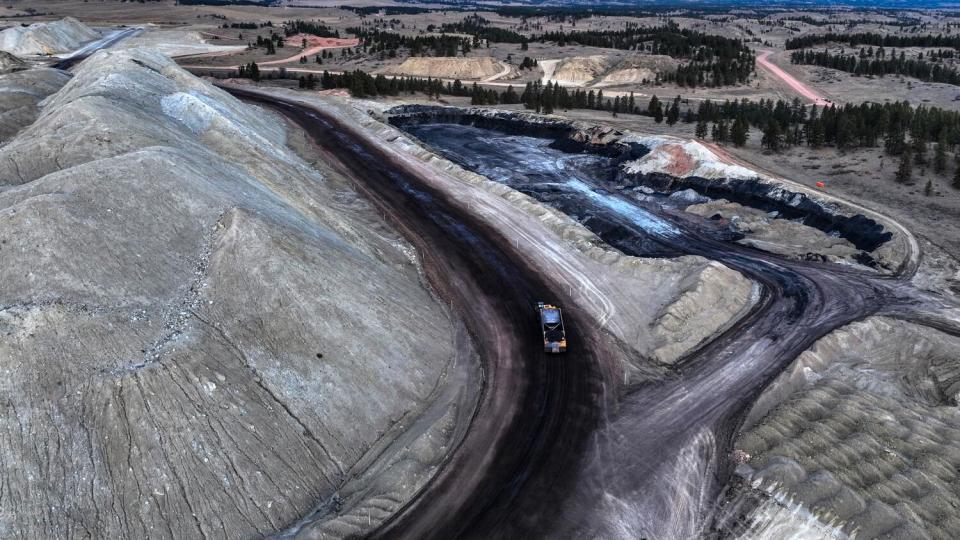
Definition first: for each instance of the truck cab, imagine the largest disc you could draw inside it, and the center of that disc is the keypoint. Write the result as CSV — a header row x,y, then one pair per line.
x,y
551,325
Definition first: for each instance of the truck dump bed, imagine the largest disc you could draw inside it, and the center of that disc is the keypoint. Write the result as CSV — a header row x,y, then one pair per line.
x,y
551,324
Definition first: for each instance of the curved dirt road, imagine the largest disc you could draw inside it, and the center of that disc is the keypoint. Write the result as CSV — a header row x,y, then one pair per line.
x,y
548,454
532,403
790,80
656,466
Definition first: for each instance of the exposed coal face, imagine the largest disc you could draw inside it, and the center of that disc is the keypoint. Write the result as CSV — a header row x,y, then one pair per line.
x,y
533,166
564,136
863,232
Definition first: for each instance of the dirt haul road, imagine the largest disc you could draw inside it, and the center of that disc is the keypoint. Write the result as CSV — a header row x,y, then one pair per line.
x,y
763,59
547,454
536,411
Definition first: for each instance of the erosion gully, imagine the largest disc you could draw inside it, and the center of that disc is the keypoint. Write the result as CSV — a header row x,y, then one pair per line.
x,y
549,452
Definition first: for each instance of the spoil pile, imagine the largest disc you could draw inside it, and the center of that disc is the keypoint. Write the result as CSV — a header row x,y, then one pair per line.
x,y
202,334
46,37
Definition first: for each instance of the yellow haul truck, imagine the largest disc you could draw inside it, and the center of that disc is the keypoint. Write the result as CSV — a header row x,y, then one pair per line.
x,y
551,324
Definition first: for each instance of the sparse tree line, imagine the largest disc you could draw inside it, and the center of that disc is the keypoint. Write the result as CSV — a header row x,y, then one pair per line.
x,y
669,40
900,22
271,44
863,65
714,60
380,41
902,130
248,25
876,40
361,84
298,26
387,10
545,98
328,55
480,28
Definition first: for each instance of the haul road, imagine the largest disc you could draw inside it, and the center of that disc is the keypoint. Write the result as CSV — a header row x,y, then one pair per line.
x,y
548,448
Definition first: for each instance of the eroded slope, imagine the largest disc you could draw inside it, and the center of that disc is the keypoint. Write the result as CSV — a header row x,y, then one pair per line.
x,y
863,430
44,38
202,335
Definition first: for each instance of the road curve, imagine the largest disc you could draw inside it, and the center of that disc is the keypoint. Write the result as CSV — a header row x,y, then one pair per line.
x,y
536,411
545,456
763,59
81,54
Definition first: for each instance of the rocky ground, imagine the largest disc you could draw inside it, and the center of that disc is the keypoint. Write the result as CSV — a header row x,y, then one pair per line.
x,y
46,38
863,431
179,42
611,69
203,335
765,231
10,63
21,92
448,68
652,306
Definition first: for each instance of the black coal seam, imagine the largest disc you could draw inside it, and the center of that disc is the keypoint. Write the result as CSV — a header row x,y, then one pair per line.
x,y
864,233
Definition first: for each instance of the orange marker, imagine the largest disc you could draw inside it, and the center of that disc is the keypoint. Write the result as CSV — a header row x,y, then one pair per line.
x,y
821,185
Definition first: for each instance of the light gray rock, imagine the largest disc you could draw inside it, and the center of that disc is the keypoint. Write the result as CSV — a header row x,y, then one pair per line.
x,y
201,335
45,38
866,412
9,63
20,95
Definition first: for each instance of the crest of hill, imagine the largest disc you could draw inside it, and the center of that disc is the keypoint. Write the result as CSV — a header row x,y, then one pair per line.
x,y
10,63
602,70
183,294
448,67
46,37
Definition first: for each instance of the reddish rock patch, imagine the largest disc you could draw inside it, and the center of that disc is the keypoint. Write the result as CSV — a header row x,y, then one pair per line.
x,y
680,162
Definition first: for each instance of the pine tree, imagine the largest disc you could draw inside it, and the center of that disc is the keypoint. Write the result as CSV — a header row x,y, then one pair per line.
x,y
905,171
658,113
673,114
940,155
893,142
701,130
844,135
956,179
740,132
510,96
928,189
653,106
919,151
772,136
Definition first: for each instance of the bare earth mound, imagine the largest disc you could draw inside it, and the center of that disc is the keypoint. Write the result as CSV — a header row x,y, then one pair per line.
x,y
201,334
637,69
448,68
20,92
580,70
9,63
864,430
46,37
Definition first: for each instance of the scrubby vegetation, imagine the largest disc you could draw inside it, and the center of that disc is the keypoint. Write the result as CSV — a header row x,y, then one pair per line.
x,y
479,27
866,125
387,10
713,60
877,40
878,64
308,27
381,41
